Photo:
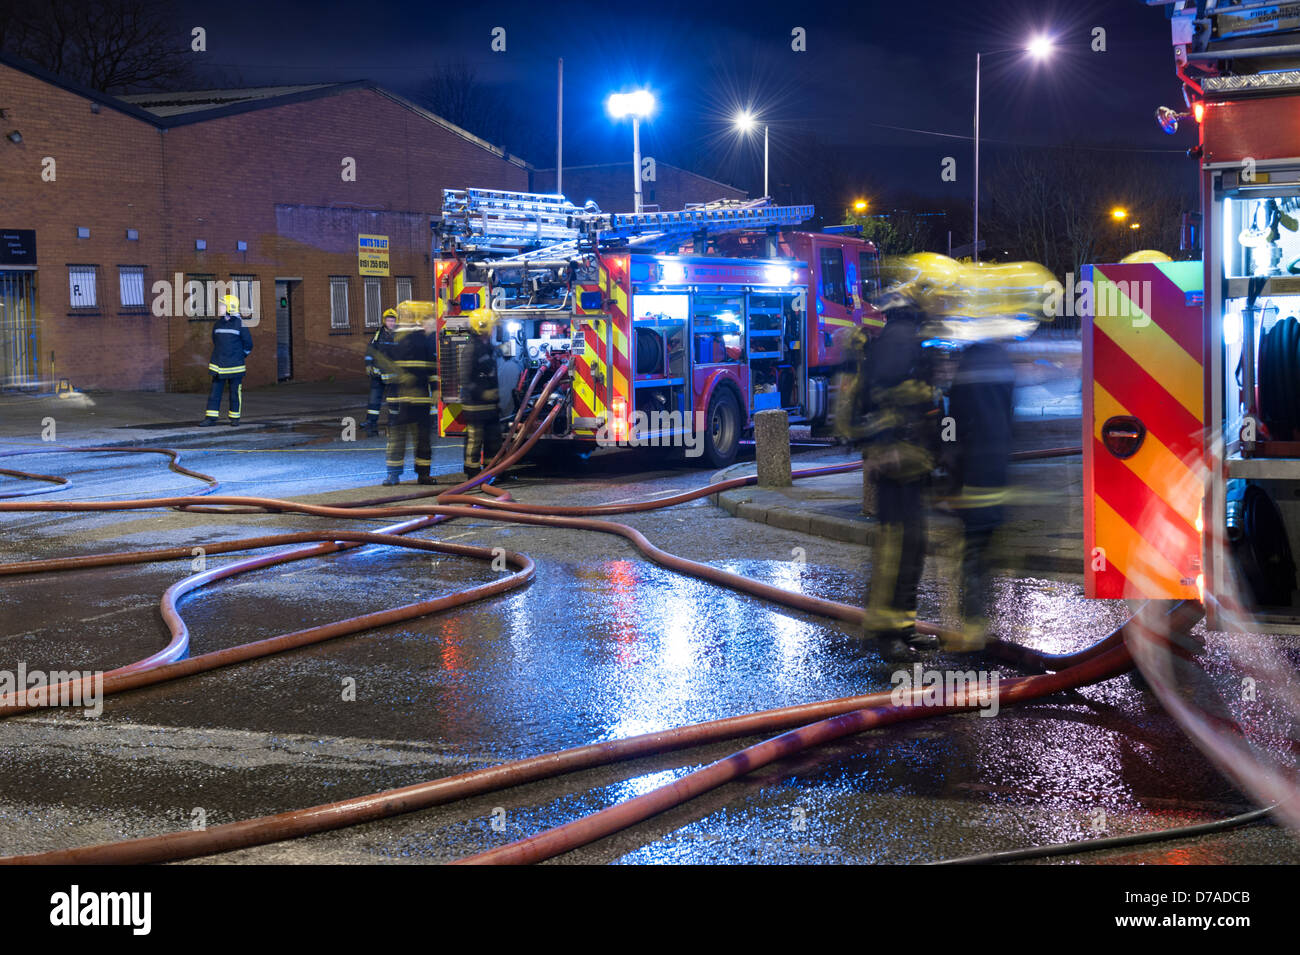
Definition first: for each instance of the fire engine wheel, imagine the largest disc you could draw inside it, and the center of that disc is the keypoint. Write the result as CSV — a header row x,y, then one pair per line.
x,y
721,429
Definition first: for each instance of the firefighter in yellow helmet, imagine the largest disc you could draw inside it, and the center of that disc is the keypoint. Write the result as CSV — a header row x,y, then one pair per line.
x,y
381,381
480,396
413,364
901,412
231,344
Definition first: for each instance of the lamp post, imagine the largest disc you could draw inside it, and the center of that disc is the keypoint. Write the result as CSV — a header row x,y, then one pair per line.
x,y
637,104
745,122
1038,48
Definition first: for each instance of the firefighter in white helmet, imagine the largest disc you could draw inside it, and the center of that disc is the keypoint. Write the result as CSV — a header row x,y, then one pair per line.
x,y
480,394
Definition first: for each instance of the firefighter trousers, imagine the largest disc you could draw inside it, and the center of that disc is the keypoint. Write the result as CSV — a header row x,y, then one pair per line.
x,y
897,557
482,442
396,456
979,525
378,392
236,384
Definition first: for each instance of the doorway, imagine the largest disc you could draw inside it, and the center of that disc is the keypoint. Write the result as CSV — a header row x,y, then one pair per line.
x,y
283,330
18,352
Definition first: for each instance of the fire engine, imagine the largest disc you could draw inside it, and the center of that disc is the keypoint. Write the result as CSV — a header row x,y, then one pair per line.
x,y
672,324
1192,369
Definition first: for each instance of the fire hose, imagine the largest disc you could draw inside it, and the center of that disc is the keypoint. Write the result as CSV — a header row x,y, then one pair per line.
x,y
837,717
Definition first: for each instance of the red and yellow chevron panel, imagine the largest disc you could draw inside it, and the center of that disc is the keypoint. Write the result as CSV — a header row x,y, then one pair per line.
x,y
449,282
590,373
1142,360
616,277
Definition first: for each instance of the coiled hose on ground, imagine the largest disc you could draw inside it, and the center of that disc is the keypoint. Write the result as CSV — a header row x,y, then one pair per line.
x,y
832,719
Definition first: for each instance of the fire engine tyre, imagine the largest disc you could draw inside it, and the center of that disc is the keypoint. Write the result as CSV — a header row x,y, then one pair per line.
x,y
721,429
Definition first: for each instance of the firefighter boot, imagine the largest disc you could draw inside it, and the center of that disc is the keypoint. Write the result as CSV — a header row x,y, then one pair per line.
x,y
895,648
394,477
422,476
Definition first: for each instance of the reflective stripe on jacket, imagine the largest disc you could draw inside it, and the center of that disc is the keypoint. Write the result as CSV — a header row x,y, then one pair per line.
x,y
231,344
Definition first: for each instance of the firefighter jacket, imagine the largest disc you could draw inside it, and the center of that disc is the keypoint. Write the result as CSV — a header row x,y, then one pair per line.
x,y
412,365
479,392
383,343
902,413
231,343
981,403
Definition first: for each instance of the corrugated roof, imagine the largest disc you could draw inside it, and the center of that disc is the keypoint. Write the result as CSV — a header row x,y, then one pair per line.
x,y
170,104
167,110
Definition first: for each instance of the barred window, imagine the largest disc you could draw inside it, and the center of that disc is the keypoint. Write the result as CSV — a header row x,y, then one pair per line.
x,y
81,285
374,305
404,283
199,296
130,281
248,291
338,301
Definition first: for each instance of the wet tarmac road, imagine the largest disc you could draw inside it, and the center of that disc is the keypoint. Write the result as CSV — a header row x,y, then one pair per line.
x,y
603,644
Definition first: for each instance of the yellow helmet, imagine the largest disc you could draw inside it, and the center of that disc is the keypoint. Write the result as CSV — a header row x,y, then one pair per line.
x,y
1144,255
232,304
482,321
412,312
390,313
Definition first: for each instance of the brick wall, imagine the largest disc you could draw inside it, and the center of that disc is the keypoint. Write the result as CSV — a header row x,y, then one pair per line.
x,y
106,170
270,178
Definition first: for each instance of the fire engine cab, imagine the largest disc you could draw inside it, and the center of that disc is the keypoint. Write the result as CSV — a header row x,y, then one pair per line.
x,y
669,322
1192,369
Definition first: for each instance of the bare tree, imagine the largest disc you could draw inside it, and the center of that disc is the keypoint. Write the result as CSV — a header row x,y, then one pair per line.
x,y
1054,205
455,92
115,46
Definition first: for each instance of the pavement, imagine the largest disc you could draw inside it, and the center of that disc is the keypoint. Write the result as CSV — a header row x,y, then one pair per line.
x,y
126,418
1044,521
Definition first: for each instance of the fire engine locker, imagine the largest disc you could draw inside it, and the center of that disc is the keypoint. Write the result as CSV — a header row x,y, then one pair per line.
x,y
1253,398
1142,429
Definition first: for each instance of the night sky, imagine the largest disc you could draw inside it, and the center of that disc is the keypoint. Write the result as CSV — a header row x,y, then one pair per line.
x,y
868,67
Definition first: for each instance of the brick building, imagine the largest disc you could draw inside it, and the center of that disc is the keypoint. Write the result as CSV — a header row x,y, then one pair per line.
x,y
105,202
610,185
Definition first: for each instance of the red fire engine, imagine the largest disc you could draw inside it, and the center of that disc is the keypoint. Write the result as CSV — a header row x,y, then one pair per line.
x,y
1192,369
674,324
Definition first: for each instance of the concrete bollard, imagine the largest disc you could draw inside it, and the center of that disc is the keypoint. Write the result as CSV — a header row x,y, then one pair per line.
x,y
772,448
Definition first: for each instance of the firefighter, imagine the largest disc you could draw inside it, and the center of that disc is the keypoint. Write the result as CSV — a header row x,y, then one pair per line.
x,y
412,366
380,381
901,415
480,394
981,403
231,345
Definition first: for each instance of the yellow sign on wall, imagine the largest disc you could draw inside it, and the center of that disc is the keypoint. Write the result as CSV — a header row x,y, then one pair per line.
x,y
372,254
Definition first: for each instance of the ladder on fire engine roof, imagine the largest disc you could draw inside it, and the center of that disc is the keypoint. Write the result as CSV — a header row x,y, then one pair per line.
x,y
491,220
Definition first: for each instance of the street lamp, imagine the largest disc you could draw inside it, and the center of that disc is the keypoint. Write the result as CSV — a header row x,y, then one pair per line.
x,y
745,121
1038,48
637,104
1119,213
860,205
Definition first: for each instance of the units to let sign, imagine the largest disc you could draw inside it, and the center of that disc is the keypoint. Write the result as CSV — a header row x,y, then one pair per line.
x,y
372,254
